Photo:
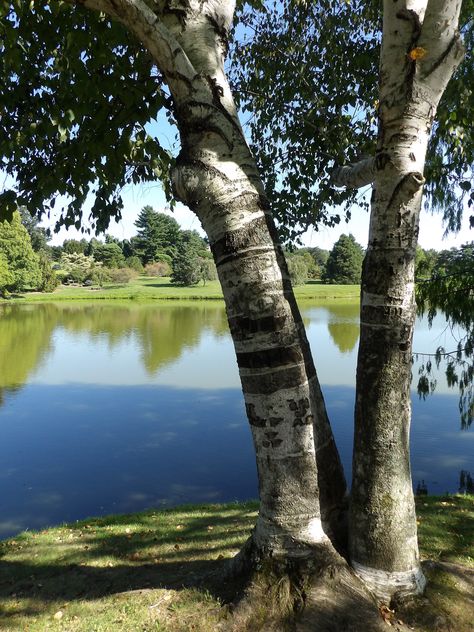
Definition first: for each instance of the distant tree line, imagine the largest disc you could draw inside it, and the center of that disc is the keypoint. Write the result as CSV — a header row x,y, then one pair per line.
x,y
342,265
160,248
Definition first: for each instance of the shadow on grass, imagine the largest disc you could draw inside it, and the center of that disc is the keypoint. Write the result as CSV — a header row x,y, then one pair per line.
x,y
91,559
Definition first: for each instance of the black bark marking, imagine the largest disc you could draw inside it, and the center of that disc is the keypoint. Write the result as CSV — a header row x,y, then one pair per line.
x,y
300,408
381,160
408,15
275,421
252,234
269,358
246,325
271,435
268,383
455,41
254,419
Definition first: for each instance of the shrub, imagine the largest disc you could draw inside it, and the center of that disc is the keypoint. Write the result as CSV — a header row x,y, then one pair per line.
x,y
158,269
134,263
121,275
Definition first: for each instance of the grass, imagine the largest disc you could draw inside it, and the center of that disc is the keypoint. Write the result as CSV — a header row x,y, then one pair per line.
x,y
150,571
153,288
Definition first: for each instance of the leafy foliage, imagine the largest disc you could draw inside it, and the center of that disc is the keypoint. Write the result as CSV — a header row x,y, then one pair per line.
x,y
193,262
298,67
38,236
449,167
451,290
110,255
22,270
307,74
298,268
77,93
49,279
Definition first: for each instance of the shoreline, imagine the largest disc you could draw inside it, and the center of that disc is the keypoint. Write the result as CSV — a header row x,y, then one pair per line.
x,y
160,289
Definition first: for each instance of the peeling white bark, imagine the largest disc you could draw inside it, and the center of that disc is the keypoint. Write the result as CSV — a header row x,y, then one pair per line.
x,y
355,176
420,51
385,585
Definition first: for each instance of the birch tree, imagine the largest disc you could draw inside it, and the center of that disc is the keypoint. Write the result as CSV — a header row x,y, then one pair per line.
x,y
421,48
215,175
178,63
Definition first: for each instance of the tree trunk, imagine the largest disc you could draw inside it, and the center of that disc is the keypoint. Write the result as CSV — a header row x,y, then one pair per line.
x,y
420,51
216,176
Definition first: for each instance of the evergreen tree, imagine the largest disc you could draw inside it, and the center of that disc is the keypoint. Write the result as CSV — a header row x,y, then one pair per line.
x,y
344,265
23,264
38,236
158,234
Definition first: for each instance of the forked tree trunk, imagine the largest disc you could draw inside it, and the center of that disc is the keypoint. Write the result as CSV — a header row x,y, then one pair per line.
x,y
217,178
420,51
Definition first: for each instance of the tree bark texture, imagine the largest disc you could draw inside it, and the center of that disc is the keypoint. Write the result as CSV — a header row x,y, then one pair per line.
x,y
216,176
420,51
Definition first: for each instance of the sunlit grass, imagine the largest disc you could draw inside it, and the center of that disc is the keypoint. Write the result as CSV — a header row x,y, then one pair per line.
x,y
154,570
153,288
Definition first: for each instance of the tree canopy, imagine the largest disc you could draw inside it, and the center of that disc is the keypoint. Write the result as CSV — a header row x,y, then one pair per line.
x,y
79,63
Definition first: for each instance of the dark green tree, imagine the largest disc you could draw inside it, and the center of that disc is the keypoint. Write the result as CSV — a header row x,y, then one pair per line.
x,y
74,246
344,264
192,262
109,254
157,235
38,235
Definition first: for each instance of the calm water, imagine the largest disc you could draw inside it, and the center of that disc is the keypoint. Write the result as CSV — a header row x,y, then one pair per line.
x,y
119,407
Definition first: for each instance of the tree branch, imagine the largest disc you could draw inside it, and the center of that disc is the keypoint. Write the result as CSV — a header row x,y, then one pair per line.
x,y
148,27
354,176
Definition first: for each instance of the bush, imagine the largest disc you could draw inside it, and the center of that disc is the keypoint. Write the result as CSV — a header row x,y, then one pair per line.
x,y
298,269
158,269
121,275
134,263
49,279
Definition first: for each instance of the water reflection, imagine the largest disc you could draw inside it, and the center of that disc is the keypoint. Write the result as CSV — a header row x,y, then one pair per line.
x,y
127,405
25,339
343,325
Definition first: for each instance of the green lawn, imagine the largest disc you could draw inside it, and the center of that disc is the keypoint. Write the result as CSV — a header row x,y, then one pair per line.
x,y
150,571
146,288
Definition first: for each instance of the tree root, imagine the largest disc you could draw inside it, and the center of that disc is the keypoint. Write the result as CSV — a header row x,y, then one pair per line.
x,y
318,592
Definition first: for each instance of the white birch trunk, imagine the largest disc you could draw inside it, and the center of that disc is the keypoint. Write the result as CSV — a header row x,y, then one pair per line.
x,y
420,51
217,178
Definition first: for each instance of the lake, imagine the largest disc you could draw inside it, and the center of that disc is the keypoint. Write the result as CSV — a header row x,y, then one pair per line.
x,y
116,407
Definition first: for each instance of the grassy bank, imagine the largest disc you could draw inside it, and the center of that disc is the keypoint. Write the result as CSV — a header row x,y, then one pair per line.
x,y
159,288
149,571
